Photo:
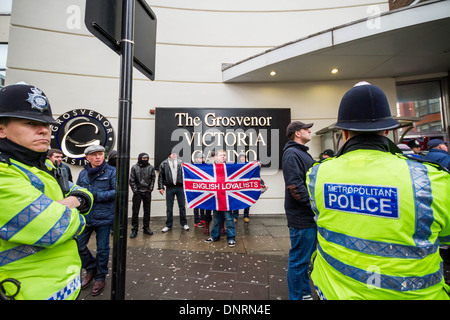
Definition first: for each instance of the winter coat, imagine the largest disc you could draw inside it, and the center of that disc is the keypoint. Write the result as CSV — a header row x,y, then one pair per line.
x,y
439,156
165,175
102,185
296,162
142,177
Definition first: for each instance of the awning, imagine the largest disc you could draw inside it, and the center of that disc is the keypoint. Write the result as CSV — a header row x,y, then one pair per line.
x,y
405,42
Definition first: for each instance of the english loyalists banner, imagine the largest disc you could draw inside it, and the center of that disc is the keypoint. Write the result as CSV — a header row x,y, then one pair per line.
x,y
222,187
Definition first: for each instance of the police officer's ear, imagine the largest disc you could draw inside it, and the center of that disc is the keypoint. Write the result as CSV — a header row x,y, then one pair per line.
x,y
2,131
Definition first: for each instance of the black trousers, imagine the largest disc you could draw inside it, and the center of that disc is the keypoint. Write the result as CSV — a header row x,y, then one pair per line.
x,y
146,199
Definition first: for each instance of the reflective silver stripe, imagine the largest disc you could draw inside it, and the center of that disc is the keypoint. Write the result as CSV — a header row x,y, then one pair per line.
x,y
56,231
35,181
378,248
386,282
423,198
70,288
24,217
312,188
17,253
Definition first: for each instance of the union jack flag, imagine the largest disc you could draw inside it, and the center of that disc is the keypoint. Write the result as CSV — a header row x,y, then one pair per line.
x,y
222,187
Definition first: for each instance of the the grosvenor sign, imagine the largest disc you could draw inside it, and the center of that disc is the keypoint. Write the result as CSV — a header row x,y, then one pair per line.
x,y
78,129
257,132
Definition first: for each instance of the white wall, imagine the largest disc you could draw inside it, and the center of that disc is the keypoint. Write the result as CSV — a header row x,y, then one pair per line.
x,y
51,48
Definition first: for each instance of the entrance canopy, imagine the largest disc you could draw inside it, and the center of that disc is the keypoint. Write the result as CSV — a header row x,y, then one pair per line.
x,y
405,42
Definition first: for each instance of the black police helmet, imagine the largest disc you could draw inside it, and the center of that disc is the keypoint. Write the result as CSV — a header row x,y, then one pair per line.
x,y
365,108
26,102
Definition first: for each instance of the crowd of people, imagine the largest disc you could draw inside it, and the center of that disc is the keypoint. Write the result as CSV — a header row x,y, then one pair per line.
x,y
373,220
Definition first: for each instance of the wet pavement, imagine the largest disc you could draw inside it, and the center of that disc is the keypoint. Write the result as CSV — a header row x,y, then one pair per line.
x,y
179,264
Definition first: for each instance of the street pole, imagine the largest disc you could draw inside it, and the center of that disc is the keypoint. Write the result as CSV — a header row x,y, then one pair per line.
x,y
123,152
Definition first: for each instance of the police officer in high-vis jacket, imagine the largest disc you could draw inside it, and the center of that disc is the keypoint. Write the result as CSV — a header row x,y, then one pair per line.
x,y
381,217
41,212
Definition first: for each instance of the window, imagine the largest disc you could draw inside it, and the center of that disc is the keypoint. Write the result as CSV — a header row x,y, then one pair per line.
x,y
3,56
5,6
423,102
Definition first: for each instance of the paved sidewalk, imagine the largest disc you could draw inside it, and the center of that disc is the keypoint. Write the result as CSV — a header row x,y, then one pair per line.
x,y
180,265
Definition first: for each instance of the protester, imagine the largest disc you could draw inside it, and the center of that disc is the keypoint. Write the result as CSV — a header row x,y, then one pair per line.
x,y
381,216
202,217
100,179
142,180
38,254
302,228
242,159
221,216
112,158
171,177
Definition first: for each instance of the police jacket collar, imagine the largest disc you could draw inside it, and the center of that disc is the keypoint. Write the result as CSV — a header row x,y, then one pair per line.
x,y
369,141
23,155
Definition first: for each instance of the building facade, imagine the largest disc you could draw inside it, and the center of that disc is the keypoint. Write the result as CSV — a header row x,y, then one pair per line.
x,y
48,45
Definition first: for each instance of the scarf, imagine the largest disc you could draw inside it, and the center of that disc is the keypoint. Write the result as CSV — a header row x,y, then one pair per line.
x,y
23,155
93,171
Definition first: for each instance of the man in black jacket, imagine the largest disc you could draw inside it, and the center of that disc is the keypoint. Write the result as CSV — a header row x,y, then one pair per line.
x,y
142,180
171,176
296,162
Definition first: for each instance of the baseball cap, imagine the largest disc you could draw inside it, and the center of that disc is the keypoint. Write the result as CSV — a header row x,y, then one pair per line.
x,y
297,125
435,142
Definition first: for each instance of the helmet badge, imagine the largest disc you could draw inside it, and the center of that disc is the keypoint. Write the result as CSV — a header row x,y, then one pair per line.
x,y
37,100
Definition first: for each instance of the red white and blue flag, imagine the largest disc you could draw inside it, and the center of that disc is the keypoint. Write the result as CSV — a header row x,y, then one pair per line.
x,y
222,187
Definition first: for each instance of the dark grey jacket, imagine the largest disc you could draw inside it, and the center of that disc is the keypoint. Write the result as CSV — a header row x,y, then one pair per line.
x,y
296,162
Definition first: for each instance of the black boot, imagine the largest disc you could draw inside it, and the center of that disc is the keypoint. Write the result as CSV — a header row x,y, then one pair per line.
x,y
148,231
133,234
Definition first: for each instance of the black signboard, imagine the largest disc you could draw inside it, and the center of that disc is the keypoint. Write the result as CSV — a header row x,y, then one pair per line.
x,y
103,18
258,133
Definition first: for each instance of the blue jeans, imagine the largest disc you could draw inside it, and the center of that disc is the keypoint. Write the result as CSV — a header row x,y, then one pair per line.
x,y
99,264
219,216
303,244
246,213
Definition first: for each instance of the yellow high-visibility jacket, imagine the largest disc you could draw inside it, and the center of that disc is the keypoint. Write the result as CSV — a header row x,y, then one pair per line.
x,y
381,219
37,234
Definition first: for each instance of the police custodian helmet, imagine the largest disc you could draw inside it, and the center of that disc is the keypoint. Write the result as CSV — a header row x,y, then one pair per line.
x,y
365,108
25,101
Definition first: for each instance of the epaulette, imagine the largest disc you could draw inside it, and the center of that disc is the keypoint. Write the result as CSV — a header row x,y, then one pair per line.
x,y
4,158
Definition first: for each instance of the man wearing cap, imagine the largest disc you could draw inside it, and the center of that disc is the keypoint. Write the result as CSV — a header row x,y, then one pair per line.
x,y
100,179
302,228
380,215
142,180
38,221
438,152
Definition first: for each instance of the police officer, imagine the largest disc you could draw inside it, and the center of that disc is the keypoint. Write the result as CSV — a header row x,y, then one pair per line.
x,y
38,222
380,216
